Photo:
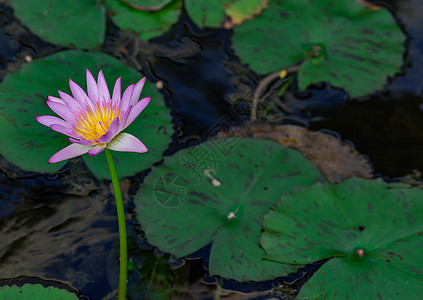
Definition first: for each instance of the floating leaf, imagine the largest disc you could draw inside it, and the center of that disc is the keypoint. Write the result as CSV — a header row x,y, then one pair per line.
x,y
219,191
371,230
226,13
242,10
335,159
71,23
35,292
146,5
23,94
146,24
339,41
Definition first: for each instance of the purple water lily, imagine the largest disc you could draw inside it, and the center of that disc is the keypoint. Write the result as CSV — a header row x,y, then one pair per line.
x,y
94,122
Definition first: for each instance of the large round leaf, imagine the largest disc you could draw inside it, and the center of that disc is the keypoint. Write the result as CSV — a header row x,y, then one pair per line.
x,y
72,23
219,191
342,42
146,24
35,292
29,145
371,229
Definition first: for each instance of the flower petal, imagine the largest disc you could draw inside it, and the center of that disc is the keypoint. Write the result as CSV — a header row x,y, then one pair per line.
x,y
63,129
80,95
116,92
96,149
70,151
92,88
50,120
128,143
71,103
62,110
123,119
111,133
54,99
126,98
136,110
137,91
103,90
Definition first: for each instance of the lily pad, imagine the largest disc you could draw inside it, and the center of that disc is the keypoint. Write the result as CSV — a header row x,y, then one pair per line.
x,y
147,5
29,145
342,42
239,11
371,231
147,24
35,292
225,13
71,23
218,192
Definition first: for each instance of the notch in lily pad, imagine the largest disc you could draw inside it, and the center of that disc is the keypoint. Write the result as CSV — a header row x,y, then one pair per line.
x,y
314,52
370,230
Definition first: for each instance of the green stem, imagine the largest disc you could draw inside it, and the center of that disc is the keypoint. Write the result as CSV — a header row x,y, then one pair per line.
x,y
122,226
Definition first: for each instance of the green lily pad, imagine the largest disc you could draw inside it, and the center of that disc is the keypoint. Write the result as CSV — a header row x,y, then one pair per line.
x,y
147,24
226,13
371,230
29,145
342,42
242,10
64,22
35,292
147,5
219,191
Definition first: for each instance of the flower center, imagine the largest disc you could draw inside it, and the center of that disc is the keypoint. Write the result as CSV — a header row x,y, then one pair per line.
x,y
90,125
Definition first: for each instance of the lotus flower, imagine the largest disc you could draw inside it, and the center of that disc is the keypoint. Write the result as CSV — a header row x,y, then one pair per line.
x,y
95,121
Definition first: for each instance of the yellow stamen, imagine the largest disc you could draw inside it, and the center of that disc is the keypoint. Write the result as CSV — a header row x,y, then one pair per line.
x,y
90,125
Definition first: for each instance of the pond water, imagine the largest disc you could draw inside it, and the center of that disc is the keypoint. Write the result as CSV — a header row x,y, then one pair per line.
x,y
63,227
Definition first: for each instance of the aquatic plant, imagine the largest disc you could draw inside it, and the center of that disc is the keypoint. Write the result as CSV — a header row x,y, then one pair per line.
x,y
42,77
94,123
37,291
218,192
370,232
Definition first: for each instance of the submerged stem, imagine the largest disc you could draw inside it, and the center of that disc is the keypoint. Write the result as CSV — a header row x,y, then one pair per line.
x,y
122,226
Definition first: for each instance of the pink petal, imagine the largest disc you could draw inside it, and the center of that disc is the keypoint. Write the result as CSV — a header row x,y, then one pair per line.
x,y
70,151
123,119
80,95
111,133
103,90
62,110
96,149
136,110
50,120
80,142
71,103
92,88
116,92
63,129
137,91
54,99
128,143
126,98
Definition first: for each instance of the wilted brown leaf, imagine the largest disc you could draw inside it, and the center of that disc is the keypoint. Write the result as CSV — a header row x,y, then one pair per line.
x,y
337,160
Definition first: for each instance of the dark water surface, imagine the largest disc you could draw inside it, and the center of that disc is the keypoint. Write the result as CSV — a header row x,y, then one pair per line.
x,y
63,227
